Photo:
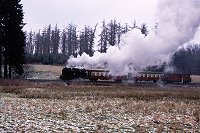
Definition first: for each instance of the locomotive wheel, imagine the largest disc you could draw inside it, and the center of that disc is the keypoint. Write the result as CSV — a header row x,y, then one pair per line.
x,y
93,80
185,82
118,81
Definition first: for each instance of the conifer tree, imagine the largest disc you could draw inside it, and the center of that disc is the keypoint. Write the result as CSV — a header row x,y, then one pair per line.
x,y
12,36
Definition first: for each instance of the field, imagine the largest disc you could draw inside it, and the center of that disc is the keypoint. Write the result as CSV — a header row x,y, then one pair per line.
x,y
60,107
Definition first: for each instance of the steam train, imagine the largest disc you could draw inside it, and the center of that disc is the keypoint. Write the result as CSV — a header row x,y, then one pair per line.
x,y
101,74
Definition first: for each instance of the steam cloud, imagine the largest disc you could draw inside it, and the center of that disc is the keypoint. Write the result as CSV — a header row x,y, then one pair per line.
x,y
178,21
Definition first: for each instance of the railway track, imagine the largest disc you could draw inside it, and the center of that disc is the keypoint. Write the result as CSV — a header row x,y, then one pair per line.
x,y
111,83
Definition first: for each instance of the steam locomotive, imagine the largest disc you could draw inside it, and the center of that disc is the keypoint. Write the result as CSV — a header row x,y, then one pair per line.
x,y
102,74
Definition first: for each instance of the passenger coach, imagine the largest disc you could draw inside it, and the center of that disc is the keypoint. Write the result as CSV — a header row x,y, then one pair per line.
x,y
102,74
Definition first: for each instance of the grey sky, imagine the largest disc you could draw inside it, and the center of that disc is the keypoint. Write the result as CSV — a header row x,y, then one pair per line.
x,y
41,13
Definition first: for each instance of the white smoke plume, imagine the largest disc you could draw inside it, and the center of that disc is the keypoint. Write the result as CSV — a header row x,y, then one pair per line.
x,y
178,21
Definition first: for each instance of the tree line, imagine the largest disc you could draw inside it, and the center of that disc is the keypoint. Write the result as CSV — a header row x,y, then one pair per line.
x,y
12,38
187,60
54,46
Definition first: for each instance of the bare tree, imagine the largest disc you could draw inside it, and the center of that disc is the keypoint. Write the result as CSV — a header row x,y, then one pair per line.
x,y
144,29
103,42
30,43
71,40
63,42
55,40
86,40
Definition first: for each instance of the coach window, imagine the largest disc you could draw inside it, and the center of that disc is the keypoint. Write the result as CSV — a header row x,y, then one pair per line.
x,y
93,73
106,74
102,74
86,73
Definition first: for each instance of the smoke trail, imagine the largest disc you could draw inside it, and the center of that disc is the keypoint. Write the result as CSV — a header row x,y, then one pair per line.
x,y
178,21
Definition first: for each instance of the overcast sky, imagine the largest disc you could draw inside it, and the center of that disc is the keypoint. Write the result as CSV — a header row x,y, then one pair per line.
x,y
41,13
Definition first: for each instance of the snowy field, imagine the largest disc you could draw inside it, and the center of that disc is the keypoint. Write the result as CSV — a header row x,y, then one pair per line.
x,y
49,72
89,115
58,107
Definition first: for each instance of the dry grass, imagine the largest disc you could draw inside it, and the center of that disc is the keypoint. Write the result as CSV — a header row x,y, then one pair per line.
x,y
15,82
60,90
